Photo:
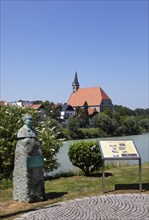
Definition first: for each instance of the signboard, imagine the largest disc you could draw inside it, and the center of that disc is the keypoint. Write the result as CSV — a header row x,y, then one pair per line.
x,y
118,149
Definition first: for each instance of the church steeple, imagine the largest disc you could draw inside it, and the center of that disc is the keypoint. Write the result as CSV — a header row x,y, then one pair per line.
x,y
75,84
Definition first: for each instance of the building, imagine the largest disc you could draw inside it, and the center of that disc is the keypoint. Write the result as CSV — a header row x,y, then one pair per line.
x,y
3,103
40,108
95,97
66,112
20,103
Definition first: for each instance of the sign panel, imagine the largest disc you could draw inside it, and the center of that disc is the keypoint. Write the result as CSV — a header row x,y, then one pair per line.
x,y
118,149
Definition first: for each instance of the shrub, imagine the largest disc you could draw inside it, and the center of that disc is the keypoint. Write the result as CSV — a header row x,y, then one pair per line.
x,y
86,156
90,132
50,144
10,122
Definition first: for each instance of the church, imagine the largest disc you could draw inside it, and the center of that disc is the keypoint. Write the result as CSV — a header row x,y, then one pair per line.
x,y
95,97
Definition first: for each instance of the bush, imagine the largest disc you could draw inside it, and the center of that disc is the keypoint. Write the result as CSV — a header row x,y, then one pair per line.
x,y
90,132
5,184
50,144
86,156
10,122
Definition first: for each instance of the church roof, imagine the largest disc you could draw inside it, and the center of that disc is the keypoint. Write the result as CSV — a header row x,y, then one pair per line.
x,y
93,96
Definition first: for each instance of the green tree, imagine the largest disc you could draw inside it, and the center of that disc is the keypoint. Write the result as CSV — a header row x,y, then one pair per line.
x,y
130,126
50,144
86,156
73,127
104,123
108,112
55,112
78,111
10,122
144,124
82,115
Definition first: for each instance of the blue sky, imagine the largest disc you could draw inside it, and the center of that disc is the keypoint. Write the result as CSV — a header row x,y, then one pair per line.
x,y
43,43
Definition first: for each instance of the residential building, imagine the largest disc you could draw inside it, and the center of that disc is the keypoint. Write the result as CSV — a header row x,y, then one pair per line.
x,y
66,112
40,108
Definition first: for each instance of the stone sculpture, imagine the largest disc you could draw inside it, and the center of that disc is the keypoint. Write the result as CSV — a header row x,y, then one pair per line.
x,y
28,176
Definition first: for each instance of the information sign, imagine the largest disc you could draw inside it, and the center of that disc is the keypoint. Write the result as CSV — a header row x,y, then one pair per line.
x,y
118,149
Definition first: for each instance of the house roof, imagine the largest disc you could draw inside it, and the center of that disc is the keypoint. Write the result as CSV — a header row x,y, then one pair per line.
x,y
36,106
66,107
93,96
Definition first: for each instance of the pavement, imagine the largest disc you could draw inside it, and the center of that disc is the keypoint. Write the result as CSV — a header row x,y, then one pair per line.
x,y
103,207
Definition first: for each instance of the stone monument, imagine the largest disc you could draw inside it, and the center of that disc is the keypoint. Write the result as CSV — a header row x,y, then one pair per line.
x,y
28,174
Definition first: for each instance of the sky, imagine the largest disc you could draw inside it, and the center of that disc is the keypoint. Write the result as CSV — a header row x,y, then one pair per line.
x,y
44,42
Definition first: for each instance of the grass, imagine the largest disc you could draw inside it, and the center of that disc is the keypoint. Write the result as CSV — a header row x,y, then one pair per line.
x,y
123,179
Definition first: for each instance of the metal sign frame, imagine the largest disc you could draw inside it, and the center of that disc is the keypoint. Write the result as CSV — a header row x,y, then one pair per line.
x,y
104,158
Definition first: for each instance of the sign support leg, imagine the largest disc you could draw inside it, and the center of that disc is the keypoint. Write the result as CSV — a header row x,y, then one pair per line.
x,y
103,177
140,179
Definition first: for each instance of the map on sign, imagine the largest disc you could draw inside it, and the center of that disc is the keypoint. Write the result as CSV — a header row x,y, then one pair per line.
x,y
118,149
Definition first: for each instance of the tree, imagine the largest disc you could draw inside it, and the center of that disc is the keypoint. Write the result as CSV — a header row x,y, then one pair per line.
x,y
85,118
10,122
86,156
82,115
104,123
123,111
144,124
73,127
130,125
78,111
50,144
108,112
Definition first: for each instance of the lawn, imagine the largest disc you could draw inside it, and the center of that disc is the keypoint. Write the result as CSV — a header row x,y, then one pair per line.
x,y
123,179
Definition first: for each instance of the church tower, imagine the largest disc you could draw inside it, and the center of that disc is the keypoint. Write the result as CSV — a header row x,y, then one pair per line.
x,y
75,84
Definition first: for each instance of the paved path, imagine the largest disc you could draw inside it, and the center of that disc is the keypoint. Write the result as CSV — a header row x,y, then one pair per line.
x,y
104,207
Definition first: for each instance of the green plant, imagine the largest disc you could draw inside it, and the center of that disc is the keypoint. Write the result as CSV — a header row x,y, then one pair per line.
x,y
5,184
73,127
50,144
10,122
86,156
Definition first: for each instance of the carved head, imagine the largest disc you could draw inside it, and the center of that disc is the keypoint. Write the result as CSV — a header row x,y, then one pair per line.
x,y
27,118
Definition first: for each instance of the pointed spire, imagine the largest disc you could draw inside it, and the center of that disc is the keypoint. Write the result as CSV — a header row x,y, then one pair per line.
x,y
75,83
76,78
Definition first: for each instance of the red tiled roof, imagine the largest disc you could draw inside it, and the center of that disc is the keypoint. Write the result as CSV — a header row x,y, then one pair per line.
x,y
93,97
36,106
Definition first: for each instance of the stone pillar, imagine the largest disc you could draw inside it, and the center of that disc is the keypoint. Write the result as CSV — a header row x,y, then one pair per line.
x,y
28,174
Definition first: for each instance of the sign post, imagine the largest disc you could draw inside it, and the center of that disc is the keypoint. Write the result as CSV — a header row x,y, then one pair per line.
x,y
119,150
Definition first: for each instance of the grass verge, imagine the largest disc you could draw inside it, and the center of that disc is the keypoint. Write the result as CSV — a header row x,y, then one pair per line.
x,y
123,179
